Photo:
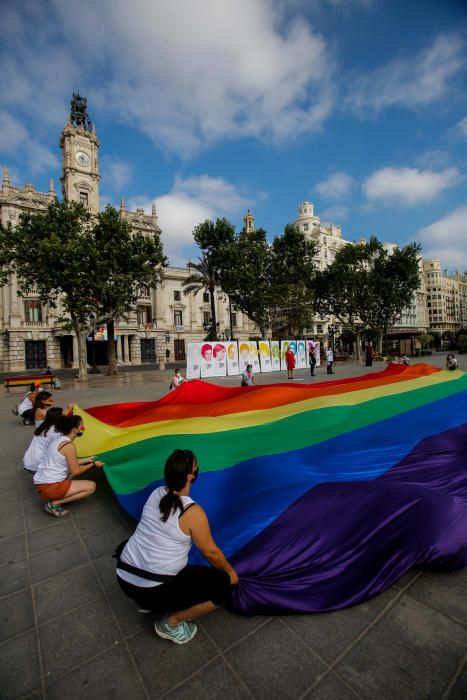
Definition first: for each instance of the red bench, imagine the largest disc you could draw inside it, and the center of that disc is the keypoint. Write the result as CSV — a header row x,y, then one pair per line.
x,y
27,380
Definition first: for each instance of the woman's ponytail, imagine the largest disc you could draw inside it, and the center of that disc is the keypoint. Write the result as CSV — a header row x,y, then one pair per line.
x,y
176,470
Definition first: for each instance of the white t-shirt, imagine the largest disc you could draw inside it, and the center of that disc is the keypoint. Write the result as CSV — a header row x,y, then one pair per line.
x,y
329,356
37,449
53,468
155,546
176,381
25,405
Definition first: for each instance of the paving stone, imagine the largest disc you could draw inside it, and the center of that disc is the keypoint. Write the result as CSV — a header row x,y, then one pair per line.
x,y
328,633
62,593
57,561
19,667
225,627
14,577
97,521
104,543
16,614
373,607
268,670
459,689
164,665
444,591
13,549
37,518
48,537
9,487
76,637
215,681
379,666
408,579
428,633
11,518
331,688
110,675
126,611
105,568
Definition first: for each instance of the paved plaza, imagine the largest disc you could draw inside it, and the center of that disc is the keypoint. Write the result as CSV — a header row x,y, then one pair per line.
x,y
66,629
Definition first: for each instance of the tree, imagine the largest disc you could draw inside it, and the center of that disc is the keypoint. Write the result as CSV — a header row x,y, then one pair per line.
x,y
366,287
213,239
425,340
54,252
205,277
125,261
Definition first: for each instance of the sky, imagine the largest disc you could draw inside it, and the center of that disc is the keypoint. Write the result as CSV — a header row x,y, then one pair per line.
x,y
211,107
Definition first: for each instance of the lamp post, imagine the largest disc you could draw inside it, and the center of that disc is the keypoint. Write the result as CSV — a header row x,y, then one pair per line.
x,y
94,369
331,332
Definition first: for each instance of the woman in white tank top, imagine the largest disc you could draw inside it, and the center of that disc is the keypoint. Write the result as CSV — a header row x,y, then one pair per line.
x,y
54,476
42,403
153,567
43,436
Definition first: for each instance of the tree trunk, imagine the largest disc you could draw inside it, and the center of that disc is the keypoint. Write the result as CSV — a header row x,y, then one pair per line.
x,y
213,314
358,345
111,356
82,354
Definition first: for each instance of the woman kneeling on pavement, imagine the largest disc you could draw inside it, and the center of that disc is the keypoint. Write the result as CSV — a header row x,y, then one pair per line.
x,y
56,471
152,567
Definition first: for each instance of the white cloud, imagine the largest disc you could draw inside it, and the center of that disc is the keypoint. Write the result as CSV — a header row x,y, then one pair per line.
x,y
190,202
410,81
15,140
408,186
115,172
461,127
337,186
334,215
187,74
446,239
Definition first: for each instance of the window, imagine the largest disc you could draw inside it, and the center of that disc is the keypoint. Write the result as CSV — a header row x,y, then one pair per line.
x,y
177,295
305,227
143,292
319,328
83,198
178,319
234,319
144,314
206,318
249,224
206,297
33,311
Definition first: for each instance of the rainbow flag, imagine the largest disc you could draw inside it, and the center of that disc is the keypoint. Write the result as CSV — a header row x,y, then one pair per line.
x,y
321,495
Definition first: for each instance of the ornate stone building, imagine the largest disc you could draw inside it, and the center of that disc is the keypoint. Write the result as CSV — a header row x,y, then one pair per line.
x,y
164,319
446,298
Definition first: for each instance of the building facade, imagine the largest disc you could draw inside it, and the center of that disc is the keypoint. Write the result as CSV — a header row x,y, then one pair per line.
x,y
446,298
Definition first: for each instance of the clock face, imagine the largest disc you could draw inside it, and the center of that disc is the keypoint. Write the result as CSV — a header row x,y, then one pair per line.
x,y
82,158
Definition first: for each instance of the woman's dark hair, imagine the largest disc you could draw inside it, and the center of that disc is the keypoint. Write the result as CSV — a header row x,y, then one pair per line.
x,y
178,466
65,424
51,418
41,398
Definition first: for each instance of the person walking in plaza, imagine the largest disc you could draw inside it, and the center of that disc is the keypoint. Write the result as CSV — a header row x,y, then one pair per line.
x,y
312,359
56,471
369,355
248,377
290,362
152,566
329,360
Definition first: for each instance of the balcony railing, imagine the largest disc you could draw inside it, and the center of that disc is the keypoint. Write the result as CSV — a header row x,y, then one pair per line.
x,y
36,324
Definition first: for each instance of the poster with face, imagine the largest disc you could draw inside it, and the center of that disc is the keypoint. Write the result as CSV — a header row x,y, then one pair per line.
x,y
254,359
219,354
207,360
232,358
300,357
265,356
275,355
313,345
284,347
244,355
193,361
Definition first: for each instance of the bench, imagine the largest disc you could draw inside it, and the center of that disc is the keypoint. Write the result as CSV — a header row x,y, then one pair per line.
x,y
28,380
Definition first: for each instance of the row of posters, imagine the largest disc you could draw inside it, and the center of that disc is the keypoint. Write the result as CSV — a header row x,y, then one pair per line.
x,y
219,359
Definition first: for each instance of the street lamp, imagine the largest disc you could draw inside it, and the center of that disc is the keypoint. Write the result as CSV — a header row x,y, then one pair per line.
x,y
94,369
331,332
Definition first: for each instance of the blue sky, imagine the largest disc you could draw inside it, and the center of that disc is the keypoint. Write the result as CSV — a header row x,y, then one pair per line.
x,y
208,107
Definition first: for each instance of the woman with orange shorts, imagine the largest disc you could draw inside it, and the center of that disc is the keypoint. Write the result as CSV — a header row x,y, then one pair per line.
x,y
55,473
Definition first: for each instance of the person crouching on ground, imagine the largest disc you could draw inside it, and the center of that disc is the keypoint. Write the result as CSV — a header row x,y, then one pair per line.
x,y
248,377
42,404
56,471
44,434
152,566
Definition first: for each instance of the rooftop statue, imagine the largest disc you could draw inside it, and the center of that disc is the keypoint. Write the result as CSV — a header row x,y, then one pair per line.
x,y
79,113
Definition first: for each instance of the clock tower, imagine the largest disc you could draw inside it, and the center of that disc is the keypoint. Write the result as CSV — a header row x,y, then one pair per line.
x,y
80,158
